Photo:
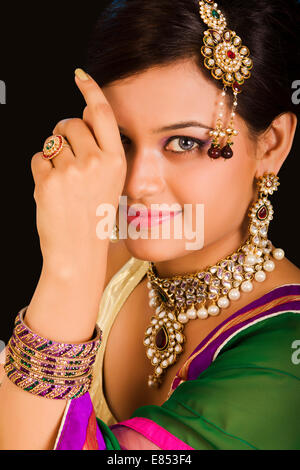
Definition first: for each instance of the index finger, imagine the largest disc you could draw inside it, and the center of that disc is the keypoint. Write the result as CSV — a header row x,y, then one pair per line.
x,y
103,119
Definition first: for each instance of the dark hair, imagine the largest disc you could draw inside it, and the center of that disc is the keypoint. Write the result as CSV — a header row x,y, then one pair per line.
x,y
131,36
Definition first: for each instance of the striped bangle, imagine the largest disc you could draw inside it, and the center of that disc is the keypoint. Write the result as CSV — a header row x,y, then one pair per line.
x,y
40,369
53,348
40,360
48,368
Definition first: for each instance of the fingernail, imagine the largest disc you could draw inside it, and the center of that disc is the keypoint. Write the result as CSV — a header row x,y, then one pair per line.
x,y
81,74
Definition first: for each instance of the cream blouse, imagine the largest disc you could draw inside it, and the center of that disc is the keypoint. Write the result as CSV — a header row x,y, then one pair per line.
x,y
113,297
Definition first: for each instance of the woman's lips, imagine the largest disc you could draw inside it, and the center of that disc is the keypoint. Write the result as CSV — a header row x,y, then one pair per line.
x,y
150,218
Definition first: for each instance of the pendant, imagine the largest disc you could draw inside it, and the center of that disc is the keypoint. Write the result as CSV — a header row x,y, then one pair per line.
x,y
182,298
164,341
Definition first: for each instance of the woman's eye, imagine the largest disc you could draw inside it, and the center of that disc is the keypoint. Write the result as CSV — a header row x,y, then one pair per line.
x,y
185,144
181,144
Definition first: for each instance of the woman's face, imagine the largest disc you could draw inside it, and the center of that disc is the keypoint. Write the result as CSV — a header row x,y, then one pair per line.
x,y
172,166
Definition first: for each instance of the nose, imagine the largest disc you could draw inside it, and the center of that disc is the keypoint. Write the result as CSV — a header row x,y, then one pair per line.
x,y
145,175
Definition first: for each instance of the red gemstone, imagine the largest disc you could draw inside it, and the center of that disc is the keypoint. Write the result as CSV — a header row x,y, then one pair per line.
x,y
161,338
237,87
227,152
262,213
231,54
214,152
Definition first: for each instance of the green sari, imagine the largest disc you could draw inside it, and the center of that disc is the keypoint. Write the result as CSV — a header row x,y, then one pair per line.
x,y
239,389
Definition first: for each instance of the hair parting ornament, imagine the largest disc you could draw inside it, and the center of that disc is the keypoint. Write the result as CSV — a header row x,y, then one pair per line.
x,y
229,61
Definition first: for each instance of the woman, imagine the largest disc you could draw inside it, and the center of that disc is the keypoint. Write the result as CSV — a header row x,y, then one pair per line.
x,y
219,372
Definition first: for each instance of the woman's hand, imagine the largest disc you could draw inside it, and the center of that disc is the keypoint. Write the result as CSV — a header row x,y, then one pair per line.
x,y
65,304
70,187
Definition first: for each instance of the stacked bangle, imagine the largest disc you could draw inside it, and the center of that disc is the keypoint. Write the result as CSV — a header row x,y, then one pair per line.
x,y
48,368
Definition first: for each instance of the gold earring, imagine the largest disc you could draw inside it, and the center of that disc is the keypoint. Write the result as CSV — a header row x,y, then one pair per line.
x,y
261,214
114,237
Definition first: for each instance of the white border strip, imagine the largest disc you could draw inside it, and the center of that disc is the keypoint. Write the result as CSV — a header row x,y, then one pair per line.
x,y
62,424
247,326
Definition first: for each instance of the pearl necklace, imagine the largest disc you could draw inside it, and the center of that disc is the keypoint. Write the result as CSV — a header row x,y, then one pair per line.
x,y
175,299
181,298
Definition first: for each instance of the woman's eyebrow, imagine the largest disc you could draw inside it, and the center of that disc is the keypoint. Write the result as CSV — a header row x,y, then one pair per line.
x,y
178,125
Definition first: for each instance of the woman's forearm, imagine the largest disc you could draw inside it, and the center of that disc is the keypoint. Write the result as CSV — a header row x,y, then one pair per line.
x,y
27,422
69,190
63,308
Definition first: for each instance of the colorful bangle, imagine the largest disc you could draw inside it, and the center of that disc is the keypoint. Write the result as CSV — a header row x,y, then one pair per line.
x,y
53,348
48,368
40,369
40,360
45,388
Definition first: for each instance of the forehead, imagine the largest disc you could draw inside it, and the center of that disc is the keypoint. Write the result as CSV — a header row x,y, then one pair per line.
x,y
163,93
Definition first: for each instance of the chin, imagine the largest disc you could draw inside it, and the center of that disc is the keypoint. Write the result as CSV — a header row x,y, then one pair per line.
x,y
156,250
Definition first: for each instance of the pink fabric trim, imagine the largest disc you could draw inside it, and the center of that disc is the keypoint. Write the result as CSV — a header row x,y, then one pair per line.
x,y
155,433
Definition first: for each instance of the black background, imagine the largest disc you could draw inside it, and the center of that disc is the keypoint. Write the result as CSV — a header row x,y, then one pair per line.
x,y
41,45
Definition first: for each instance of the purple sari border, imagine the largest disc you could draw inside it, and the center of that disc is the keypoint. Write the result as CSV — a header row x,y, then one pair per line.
x,y
154,433
73,434
204,359
281,291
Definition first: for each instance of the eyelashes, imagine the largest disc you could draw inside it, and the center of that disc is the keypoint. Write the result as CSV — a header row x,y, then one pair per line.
x,y
182,141
200,144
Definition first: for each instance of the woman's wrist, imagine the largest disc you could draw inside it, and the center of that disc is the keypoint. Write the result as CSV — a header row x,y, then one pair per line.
x,y
65,306
70,268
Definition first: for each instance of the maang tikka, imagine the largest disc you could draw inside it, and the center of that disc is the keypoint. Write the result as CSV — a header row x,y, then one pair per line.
x,y
229,61
185,297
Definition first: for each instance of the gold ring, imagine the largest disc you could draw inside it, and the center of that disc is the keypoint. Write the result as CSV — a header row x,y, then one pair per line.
x,y
54,145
